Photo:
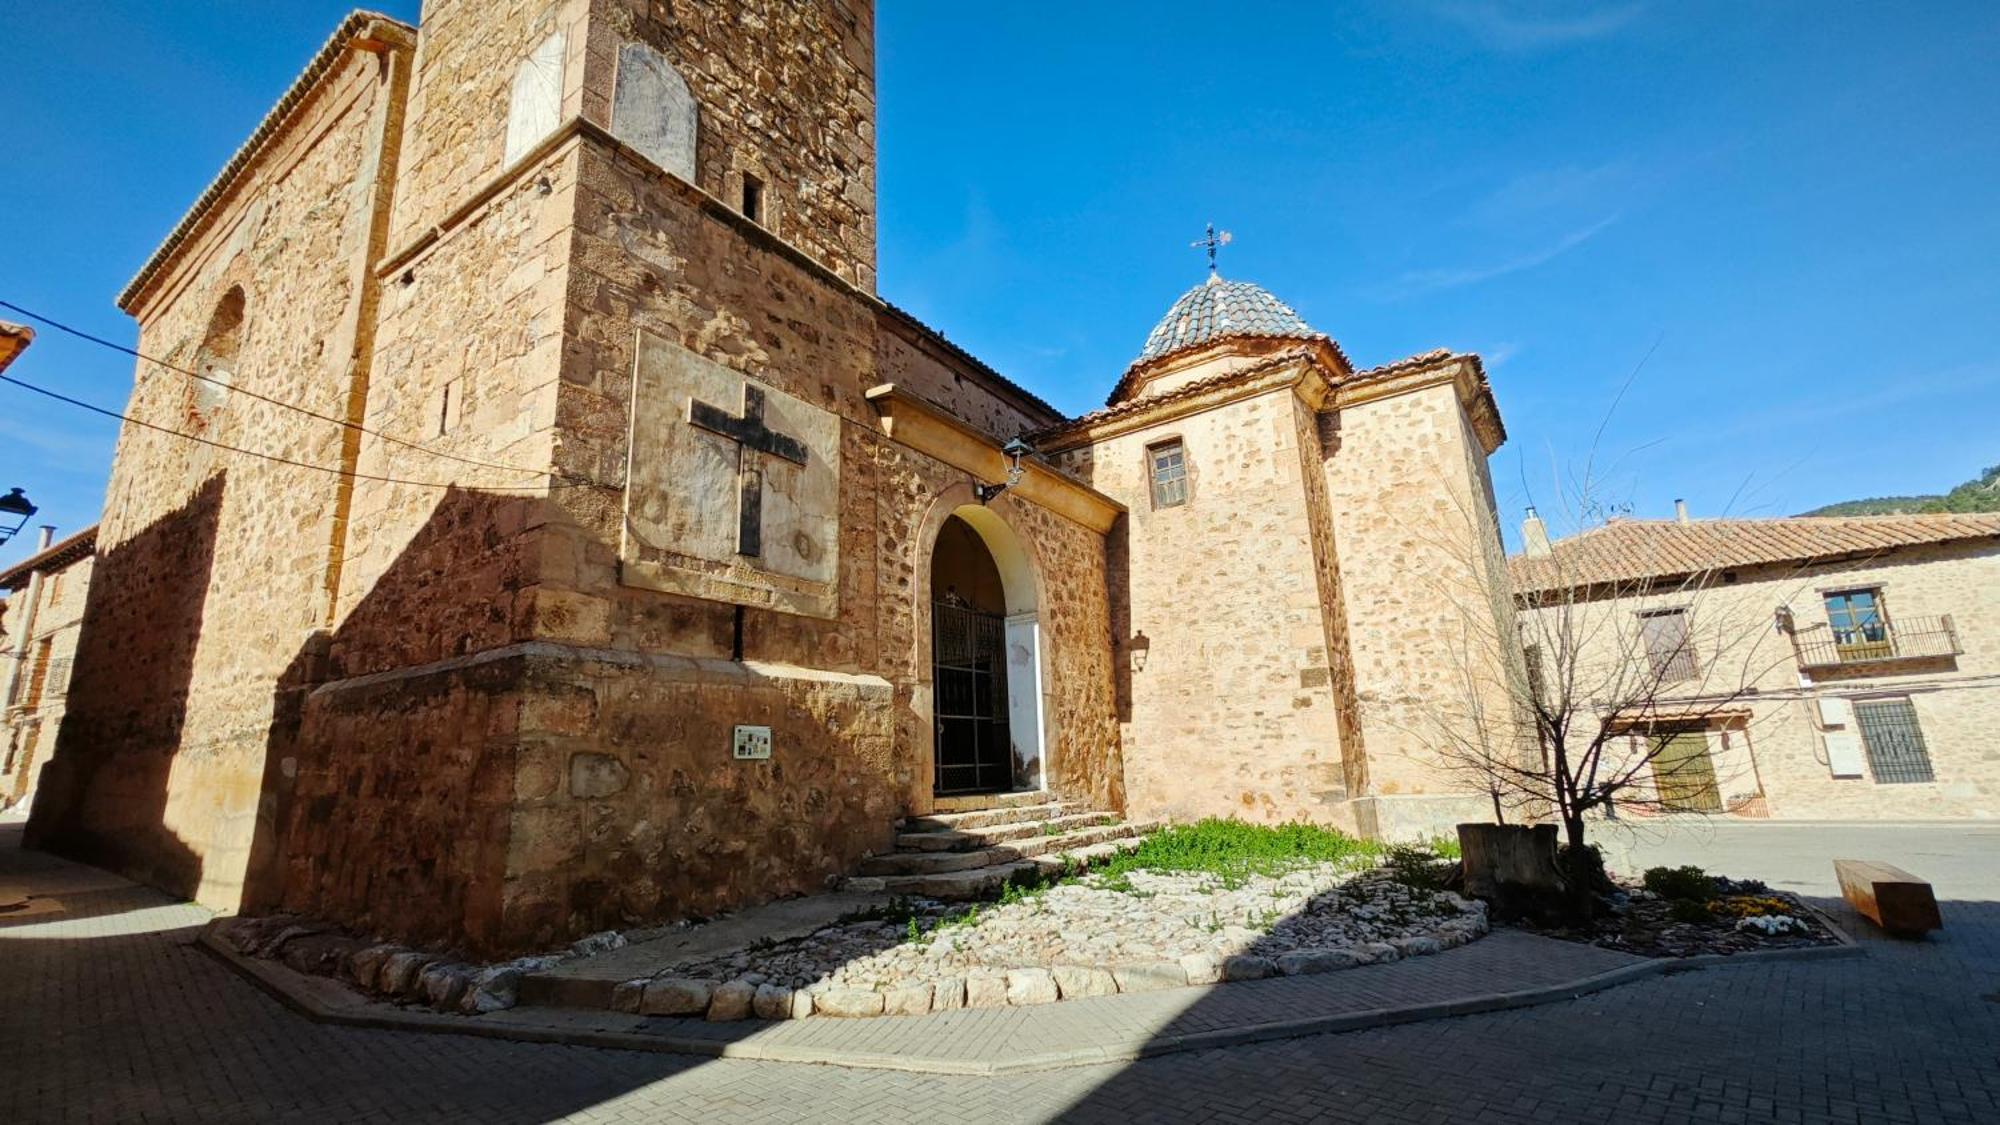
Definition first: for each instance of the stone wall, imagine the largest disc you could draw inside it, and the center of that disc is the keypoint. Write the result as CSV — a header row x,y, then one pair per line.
x,y
786,91
467,56
651,255
1777,762
1420,563
212,565
1229,701
46,659
426,702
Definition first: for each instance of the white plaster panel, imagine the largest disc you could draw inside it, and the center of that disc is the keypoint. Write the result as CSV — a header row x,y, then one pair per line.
x,y
653,111
534,106
681,497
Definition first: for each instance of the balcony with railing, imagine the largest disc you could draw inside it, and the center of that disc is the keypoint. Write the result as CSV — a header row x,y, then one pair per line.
x,y
1910,638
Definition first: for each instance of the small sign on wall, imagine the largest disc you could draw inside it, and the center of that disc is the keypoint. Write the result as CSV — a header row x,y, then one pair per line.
x,y
753,743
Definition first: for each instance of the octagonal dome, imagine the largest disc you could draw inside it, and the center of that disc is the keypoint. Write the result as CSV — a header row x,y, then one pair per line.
x,y
1216,309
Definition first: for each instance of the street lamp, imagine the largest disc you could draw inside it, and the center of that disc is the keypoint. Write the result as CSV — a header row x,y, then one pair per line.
x,y
17,505
1014,450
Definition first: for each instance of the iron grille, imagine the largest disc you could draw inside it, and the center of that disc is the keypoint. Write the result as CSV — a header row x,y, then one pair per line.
x,y
969,701
1913,638
1896,751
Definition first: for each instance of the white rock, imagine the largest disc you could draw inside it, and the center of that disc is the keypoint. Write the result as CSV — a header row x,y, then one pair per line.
x,y
625,996
731,1001
986,990
1075,982
676,996
848,1003
1245,966
1201,968
1150,977
907,1000
1030,986
948,994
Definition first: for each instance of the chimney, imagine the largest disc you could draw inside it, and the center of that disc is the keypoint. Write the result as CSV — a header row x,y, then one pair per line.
x,y
1680,511
48,536
1534,536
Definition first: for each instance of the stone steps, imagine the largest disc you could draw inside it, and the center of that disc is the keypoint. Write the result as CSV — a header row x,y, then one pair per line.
x,y
984,882
974,839
984,802
990,818
934,862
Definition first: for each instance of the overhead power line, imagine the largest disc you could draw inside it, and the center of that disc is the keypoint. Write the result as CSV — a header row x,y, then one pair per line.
x,y
273,457
236,389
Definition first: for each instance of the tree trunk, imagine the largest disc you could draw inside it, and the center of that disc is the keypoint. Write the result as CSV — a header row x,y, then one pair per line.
x,y
1505,862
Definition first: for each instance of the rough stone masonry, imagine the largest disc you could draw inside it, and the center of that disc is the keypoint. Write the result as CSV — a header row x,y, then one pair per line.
x,y
480,682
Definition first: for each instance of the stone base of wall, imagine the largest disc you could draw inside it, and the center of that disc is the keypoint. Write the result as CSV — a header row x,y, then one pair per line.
x,y
516,799
1408,818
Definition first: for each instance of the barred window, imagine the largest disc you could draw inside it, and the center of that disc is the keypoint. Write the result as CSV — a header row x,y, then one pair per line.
x,y
1896,751
1168,464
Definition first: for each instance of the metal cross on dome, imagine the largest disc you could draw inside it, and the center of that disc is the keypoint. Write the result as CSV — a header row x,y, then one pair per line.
x,y
1213,241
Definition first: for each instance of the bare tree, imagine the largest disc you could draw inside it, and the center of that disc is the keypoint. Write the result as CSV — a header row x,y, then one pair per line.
x,y
1578,676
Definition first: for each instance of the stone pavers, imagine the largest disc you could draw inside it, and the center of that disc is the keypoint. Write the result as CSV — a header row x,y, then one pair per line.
x,y
107,1015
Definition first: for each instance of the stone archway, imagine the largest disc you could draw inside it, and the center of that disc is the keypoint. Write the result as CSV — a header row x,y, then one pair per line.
x,y
979,604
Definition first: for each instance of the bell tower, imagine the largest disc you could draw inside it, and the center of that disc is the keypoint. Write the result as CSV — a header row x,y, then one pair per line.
x,y
766,105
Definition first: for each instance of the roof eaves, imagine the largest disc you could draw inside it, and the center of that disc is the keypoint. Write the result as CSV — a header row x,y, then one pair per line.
x,y
1028,397
62,553
350,30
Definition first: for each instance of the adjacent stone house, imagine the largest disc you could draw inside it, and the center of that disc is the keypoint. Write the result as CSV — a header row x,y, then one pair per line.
x,y
1834,668
44,612
615,554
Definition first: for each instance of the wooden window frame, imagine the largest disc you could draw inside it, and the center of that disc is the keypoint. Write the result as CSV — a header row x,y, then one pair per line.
x,y
1154,482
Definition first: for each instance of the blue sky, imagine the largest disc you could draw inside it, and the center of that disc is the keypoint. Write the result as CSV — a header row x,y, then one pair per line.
x,y
1782,215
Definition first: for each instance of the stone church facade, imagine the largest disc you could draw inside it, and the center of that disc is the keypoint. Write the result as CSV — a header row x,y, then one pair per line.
x,y
615,554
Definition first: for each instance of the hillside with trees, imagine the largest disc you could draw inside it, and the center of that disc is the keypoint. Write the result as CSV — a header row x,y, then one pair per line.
x,y
1981,494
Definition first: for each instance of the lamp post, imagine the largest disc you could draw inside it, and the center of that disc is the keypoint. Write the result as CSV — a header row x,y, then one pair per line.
x,y
15,504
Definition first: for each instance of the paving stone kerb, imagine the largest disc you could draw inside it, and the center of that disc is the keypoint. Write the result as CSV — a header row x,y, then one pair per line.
x,y
1510,969
1024,986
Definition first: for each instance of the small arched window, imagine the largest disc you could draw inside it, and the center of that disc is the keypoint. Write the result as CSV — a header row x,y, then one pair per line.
x,y
216,362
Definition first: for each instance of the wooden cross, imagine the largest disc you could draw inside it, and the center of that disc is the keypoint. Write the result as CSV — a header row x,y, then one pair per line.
x,y
752,437
1215,240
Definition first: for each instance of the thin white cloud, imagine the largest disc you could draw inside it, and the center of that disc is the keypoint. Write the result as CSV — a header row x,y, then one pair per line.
x,y
1415,282
1816,408
1515,26
1538,192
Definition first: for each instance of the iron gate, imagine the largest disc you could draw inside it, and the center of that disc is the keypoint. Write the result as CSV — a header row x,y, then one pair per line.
x,y
969,701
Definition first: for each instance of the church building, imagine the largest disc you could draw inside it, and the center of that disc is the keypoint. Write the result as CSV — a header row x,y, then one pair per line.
x,y
548,528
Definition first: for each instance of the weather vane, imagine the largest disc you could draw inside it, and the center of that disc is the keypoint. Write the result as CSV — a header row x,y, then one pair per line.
x,y
1215,240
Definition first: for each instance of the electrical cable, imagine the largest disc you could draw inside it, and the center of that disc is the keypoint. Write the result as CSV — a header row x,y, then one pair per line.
x,y
355,474
235,389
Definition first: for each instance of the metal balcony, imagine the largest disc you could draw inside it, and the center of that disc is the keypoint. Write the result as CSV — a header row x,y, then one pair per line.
x,y
1910,638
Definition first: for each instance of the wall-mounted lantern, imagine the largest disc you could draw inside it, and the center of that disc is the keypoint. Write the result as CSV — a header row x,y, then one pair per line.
x,y
1015,449
18,507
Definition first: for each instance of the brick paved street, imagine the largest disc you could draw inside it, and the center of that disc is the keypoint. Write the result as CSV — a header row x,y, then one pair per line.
x,y
108,1014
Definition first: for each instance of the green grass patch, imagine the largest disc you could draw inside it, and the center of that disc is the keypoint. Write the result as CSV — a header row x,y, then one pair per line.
x,y
1233,850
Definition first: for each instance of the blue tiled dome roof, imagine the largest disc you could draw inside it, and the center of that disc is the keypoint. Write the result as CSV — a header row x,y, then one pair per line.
x,y
1218,308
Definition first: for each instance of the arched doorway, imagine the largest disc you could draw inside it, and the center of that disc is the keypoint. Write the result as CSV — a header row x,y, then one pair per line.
x,y
986,660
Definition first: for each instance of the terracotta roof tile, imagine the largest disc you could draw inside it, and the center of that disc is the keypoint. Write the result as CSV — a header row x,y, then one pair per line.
x,y
1633,550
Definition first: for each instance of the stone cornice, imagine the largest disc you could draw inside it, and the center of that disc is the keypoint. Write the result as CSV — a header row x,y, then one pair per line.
x,y
1297,368
1135,379
1464,372
942,436
575,129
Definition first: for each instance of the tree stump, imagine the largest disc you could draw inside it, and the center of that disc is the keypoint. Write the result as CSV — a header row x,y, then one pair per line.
x,y
1512,866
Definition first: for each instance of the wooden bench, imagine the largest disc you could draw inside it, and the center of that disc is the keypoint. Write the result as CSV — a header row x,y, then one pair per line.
x,y
1891,897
